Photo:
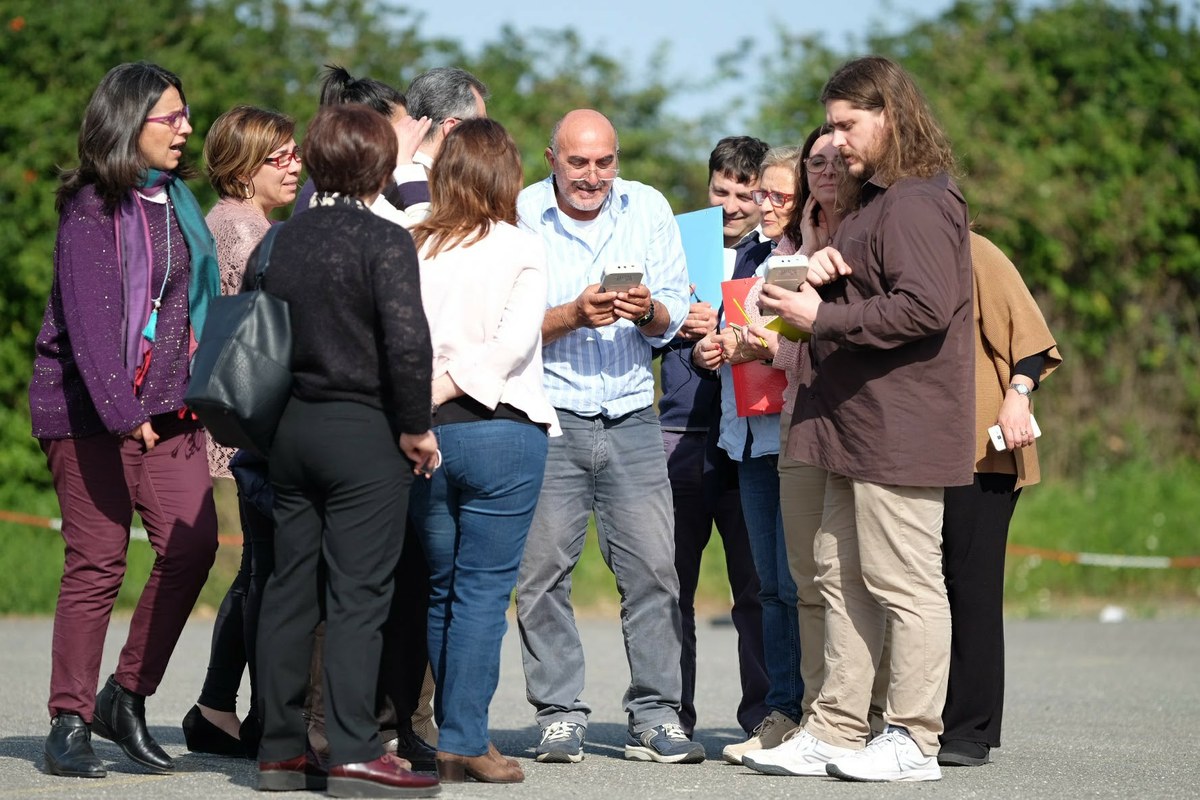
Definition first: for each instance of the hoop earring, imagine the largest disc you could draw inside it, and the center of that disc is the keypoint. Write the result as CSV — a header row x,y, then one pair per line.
x,y
246,189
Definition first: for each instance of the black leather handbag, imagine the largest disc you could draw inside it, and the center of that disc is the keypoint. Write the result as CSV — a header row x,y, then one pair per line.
x,y
241,372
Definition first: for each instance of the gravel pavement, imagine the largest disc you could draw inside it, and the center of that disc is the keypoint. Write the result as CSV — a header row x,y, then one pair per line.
x,y
1093,710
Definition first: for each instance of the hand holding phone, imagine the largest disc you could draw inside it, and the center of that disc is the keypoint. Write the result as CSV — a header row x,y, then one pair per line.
x,y
997,435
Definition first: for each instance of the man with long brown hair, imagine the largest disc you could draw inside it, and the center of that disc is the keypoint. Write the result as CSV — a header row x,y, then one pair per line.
x,y
888,414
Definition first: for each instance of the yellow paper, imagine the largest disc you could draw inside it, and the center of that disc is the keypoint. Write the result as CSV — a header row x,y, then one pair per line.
x,y
787,330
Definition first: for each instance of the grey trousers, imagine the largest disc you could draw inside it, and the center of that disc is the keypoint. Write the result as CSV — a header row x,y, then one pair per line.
x,y
616,470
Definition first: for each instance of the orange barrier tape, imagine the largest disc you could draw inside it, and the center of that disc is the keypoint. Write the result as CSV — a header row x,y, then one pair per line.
x,y
1107,559
54,524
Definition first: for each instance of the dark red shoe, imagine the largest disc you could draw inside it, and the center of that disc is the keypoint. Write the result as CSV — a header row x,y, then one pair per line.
x,y
383,777
301,772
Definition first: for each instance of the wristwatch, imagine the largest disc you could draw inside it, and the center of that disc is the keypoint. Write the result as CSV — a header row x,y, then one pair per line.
x,y
646,318
1020,389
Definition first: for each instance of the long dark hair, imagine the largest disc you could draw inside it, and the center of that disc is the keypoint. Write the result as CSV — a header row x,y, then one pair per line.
x,y
473,184
109,157
793,227
915,145
339,86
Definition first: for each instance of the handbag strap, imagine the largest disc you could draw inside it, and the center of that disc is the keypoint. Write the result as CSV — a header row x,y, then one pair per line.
x,y
264,256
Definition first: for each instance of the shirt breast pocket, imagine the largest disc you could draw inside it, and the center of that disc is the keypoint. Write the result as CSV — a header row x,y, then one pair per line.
x,y
856,251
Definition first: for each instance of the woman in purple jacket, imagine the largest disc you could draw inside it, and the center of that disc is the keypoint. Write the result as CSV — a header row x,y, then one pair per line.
x,y
134,271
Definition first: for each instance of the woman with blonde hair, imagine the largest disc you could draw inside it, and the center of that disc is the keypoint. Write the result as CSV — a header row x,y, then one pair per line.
x,y
254,164
483,286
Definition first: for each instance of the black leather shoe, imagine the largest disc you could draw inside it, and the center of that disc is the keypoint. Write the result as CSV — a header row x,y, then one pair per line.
x,y
964,754
204,737
251,735
415,750
69,749
121,717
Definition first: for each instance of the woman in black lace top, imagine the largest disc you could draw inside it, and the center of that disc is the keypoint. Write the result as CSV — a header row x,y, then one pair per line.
x,y
343,457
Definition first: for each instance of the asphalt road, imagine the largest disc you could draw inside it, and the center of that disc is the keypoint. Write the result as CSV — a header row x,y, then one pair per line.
x,y
1094,710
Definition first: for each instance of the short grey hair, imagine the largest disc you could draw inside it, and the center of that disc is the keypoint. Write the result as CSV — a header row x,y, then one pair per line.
x,y
443,93
782,156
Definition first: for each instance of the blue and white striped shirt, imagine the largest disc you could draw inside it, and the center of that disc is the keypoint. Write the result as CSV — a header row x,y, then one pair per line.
x,y
606,370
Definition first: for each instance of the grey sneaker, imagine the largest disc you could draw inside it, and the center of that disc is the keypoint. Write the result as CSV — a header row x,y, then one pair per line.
x,y
768,734
562,743
666,744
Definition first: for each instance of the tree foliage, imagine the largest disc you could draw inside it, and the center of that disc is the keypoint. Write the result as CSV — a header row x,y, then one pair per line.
x,y
268,53
1075,121
1075,124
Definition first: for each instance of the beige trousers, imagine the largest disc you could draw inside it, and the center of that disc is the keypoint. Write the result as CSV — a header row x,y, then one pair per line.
x,y
802,494
878,556
801,501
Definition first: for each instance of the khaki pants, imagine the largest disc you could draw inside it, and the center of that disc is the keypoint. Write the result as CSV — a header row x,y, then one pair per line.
x,y
802,501
879,566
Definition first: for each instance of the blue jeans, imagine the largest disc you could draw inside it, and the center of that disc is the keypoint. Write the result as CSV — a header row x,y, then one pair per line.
x,y
616,469
759,483
472,518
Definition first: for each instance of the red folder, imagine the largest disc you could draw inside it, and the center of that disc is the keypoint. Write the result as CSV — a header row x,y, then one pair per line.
x,y
757,387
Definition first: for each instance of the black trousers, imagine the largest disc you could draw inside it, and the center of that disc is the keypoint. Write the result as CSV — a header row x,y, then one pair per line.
x,y
235,631
704,488
341,495
974,538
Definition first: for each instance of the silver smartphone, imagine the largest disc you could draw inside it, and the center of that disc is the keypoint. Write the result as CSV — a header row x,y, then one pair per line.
x,y
787,272
620,277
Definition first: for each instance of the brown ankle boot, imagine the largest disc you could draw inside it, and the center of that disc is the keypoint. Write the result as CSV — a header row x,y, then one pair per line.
x,y
491,767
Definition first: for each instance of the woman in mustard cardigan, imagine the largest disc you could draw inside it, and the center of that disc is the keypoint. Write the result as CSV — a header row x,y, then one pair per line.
x,y
1014,352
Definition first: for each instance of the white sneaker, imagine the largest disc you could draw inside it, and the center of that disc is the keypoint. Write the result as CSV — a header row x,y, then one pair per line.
x,y
800,754
892,756
769,733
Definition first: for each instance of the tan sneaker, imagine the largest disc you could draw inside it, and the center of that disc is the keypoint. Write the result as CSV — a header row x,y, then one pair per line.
x,y
769,733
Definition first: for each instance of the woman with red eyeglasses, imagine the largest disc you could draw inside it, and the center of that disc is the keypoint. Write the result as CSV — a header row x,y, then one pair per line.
x,y
134,272
254,164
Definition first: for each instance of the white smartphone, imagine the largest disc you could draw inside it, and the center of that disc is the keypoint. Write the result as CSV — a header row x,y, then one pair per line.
x,y
787,272
998,436
620,277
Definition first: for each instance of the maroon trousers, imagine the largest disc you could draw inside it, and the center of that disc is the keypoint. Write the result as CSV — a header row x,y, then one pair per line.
x,y
100,481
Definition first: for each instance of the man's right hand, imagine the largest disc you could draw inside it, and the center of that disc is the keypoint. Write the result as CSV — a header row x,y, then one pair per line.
x,y
701,321
594,307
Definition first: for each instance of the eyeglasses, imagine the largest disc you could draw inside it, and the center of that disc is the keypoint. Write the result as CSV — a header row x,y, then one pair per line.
x,y
581,173
174,120
778,199
815,164
282,160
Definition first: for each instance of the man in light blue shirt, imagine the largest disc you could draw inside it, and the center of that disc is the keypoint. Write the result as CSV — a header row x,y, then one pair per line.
x,y
597,347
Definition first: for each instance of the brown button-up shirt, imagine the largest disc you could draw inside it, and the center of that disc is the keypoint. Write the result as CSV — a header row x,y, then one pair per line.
x,y
892,395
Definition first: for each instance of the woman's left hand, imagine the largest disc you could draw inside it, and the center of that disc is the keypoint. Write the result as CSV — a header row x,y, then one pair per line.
x,y
422,450
1013,420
